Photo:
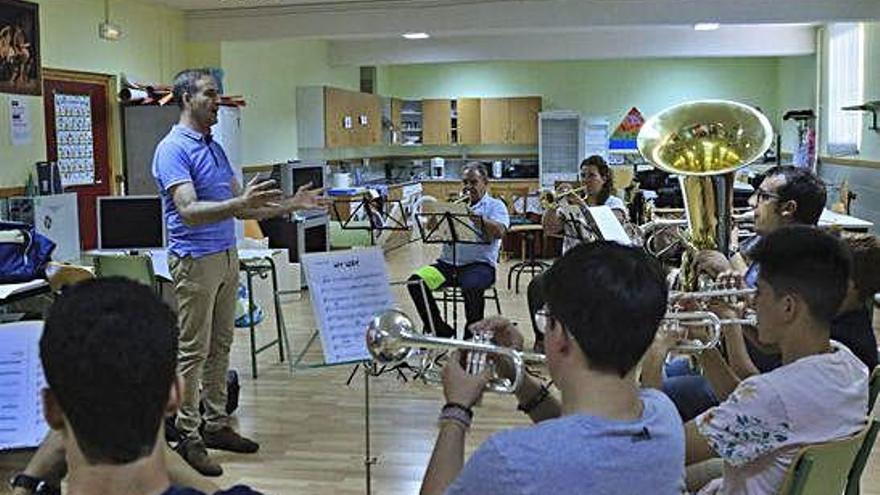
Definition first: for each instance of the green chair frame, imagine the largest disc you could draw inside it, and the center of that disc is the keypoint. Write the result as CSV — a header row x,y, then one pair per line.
x,y
137,267
824,468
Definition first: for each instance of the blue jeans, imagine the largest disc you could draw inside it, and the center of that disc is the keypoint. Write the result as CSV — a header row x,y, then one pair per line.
x,y
690,392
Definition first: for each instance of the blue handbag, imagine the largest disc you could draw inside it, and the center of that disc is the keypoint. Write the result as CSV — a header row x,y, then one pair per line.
x,y
23,253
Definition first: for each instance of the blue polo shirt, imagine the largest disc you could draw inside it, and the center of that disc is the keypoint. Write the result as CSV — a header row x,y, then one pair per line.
x,y
493,209
185,155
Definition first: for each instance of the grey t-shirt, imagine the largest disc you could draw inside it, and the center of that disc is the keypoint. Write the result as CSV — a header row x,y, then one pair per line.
x,y
583,454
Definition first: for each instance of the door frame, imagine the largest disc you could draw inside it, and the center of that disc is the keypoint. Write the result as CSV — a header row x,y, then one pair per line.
x,y
114,128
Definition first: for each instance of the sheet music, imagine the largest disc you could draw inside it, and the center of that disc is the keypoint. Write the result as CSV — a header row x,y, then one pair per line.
x,y
21,381
609,226
347,288
7,290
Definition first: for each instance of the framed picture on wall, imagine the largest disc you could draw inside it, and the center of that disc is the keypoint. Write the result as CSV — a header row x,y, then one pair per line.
x,y
20,48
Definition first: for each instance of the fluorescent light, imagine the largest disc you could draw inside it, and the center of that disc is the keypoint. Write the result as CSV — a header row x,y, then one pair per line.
x,y
706,26
416,36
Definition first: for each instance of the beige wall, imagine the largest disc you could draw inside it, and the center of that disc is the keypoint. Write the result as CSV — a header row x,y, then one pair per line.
x,y
267,74
153,49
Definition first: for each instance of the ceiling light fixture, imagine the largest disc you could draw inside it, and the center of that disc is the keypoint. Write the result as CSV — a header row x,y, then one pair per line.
x,y
416,36
107,30
706,26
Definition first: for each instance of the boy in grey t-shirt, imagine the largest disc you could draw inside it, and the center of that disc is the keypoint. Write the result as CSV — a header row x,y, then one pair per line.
x,y
607,436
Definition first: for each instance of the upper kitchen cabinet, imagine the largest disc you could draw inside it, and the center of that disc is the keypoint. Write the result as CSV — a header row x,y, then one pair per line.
x,y
467,121
337,118
509,120
451,121
437,122
524,120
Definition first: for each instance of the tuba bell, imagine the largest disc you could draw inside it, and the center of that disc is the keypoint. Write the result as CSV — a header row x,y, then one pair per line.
x,y
705,142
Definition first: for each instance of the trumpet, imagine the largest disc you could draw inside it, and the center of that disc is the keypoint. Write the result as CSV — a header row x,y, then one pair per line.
x,y
551,199
392,337
462,198
711,293
677,322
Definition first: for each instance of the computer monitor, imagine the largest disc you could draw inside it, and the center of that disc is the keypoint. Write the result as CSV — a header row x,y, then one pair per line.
x,y
292,175
130,222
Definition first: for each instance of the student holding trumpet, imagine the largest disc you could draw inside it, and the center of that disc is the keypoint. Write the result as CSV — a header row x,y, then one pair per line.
x,y
598,183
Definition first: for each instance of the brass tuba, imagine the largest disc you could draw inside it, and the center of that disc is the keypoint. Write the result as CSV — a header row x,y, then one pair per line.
x,y
705,142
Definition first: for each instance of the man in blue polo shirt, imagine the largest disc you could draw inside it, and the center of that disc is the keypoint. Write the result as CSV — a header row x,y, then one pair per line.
x,y
201,197
473,267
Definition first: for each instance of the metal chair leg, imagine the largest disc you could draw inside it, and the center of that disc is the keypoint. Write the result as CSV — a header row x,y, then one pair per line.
x,y
250,287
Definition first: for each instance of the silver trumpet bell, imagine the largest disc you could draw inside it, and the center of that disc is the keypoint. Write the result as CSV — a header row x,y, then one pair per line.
x,y
392,338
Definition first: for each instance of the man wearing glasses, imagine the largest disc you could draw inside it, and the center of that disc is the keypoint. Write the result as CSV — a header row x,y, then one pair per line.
x,y
787,196
606,436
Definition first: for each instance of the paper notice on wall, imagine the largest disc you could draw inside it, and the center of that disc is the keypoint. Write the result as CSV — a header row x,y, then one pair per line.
x,y
19,122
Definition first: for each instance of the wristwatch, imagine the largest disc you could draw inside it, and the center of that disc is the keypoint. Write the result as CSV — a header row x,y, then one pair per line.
x,y
35,485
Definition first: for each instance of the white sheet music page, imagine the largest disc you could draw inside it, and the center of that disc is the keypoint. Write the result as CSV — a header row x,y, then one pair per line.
x,y
609,226
21,381
347,288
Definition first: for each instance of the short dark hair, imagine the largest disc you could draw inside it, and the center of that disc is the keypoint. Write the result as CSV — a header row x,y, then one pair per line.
x,y
611,298
186,82
109,352
605,171
477,167
805,261
804,188
865,251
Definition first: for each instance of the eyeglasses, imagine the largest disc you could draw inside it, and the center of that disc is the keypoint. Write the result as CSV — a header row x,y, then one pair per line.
x,y
542,319
761,195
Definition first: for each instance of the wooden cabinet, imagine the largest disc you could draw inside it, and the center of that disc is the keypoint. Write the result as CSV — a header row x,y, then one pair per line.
x,y
468,120
524,120
512,190
507,190
351,119
442,190
494,120
509,120
436,122
451,121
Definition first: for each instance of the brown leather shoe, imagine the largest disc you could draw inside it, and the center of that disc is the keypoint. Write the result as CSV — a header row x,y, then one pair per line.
x,y
228,439
196,455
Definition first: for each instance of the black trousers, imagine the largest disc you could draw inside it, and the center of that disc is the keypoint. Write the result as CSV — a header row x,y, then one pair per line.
x,y
473,279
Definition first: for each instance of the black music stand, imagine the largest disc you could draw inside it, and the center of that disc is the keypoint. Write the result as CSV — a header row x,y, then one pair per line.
x,y
574,228
453,229
377,220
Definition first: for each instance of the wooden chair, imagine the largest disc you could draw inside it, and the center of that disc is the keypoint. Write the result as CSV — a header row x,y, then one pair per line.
x,y
823,468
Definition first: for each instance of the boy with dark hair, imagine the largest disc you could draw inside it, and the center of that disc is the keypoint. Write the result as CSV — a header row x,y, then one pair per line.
x,y
609,430
820,392
109,351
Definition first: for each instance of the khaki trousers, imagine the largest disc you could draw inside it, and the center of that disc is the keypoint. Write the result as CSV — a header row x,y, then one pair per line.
x,y
206,290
